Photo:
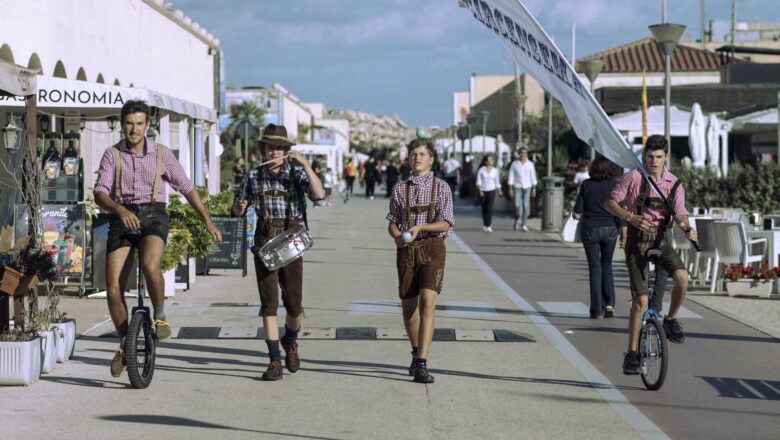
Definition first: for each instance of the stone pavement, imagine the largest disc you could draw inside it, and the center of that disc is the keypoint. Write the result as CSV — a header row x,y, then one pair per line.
x,y
346,388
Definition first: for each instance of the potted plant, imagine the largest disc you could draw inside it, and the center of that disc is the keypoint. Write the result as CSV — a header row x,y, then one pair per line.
x,y
23,273
183,217
64,328
38,322
747,280
21,354
175,253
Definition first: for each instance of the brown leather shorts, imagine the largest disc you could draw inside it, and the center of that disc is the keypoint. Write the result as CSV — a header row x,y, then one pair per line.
x,y
637,244
421,266
290,277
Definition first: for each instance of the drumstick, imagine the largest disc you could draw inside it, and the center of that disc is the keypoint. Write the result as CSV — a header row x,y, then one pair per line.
x,y
274,160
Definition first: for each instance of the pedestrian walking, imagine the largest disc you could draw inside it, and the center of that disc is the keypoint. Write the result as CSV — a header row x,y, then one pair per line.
x,y
451,169
522,188
238,170
328,182
599,230
370,176
278,191
421,209
392,175
648,240
350,172
488,184
131,186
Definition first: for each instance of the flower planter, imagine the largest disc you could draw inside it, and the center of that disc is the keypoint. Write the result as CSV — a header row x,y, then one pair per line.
x,y
747,288
170,283
20,362
65,333
16,283
49,349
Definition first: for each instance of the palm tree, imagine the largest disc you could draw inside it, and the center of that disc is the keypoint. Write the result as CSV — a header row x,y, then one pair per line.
x,y
246,120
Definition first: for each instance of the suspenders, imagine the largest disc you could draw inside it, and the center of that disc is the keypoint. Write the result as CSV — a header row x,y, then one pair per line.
x,y
643,200
118,173
420,208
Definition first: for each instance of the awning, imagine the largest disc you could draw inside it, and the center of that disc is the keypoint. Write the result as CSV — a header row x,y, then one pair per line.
x,y
760,120
61,96
16,80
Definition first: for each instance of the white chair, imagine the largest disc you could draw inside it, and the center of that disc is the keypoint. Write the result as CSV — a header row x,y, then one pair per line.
x,y
704,229
732,214
716,212
733,247
681,244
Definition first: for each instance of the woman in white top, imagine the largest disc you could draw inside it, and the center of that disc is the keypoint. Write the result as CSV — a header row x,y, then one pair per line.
x,y
488,183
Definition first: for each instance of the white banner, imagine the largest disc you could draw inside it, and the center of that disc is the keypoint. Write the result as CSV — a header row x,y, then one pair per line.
x,y
534,51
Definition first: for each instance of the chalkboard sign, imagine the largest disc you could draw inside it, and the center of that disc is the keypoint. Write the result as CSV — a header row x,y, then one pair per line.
x,y
231,252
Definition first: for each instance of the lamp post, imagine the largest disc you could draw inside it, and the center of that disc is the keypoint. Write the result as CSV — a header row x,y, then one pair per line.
x,y
667,35
592,68
470,120
485,116
112,121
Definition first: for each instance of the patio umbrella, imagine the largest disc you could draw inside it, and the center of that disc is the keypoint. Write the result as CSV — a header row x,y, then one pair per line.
x,y
713,144
696,133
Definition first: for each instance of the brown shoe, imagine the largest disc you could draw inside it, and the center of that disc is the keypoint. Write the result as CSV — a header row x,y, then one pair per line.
x,y
609,312
274,371
118,363
291,359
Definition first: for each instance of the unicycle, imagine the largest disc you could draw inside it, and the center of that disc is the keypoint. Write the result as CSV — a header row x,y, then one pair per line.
x,y
139,344
653,354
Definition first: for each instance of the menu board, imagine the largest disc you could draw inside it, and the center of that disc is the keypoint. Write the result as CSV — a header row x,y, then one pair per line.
x,y
230,253
63,234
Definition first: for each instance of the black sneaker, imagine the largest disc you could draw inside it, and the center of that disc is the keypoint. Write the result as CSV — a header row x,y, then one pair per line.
x,y
274,371
421,373
413,367
674,331
631,364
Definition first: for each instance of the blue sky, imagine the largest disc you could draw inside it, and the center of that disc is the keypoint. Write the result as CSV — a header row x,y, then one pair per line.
x,y
407,57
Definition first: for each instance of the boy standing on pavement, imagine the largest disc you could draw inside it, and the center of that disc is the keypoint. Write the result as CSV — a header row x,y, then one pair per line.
x,y
422,206
130,187
522,186
648,240
278,190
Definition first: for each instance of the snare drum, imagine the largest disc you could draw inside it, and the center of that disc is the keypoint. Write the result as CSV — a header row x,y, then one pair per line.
x,y
285,248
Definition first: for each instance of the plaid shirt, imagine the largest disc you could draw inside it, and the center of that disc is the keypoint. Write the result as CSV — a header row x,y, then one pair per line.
x,y
275,205
421,195
138,173
627,193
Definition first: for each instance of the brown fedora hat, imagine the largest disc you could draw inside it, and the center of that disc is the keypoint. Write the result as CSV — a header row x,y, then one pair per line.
x,y
276,135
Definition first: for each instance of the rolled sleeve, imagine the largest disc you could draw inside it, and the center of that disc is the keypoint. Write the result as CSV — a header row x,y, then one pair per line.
x,y
679,202
174,173
620,191
105,181
395,215
444,206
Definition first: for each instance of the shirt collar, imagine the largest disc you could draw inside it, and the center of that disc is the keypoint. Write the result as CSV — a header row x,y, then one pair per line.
x,y
420,180
149,146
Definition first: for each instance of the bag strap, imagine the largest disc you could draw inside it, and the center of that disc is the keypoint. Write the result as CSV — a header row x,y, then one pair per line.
x,y
157,171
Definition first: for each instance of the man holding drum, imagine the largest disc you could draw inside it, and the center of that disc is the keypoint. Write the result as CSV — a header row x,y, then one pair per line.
x,y
420,219
277,189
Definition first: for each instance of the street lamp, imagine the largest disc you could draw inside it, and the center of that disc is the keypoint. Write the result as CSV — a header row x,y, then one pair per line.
x,y
485,116
520,100
592,68
667,35
470,120
112,121
12,135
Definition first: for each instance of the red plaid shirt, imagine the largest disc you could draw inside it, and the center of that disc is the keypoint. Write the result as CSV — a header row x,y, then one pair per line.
x,y
138,173
421,195
627,192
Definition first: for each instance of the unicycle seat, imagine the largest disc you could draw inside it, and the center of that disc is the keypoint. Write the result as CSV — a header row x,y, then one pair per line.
x,y
133,236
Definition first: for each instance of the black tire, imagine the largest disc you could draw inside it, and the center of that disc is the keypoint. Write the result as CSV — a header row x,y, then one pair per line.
x,y
653,353
140,348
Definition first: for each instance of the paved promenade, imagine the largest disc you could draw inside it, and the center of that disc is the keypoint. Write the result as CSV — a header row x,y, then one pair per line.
x,y
502,371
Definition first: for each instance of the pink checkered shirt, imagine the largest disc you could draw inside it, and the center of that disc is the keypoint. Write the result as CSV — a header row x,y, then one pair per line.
x,y
627,191
138,173
421,195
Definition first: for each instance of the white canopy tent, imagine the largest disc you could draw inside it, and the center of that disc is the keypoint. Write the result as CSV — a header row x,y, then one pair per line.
x,y
334,157
479,145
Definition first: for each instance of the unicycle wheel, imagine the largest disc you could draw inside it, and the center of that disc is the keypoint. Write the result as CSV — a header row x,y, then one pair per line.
x,y
140,350
653,354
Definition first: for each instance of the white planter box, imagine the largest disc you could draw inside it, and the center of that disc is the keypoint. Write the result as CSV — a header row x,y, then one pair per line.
x,y
49,349
170,283
746,288
191,267
20,362
66,339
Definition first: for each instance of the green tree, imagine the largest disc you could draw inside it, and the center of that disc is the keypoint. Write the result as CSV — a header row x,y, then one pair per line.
x,y
246,121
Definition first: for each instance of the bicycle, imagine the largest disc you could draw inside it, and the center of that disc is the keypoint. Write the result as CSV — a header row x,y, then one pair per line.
x,y
140,344
653,353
